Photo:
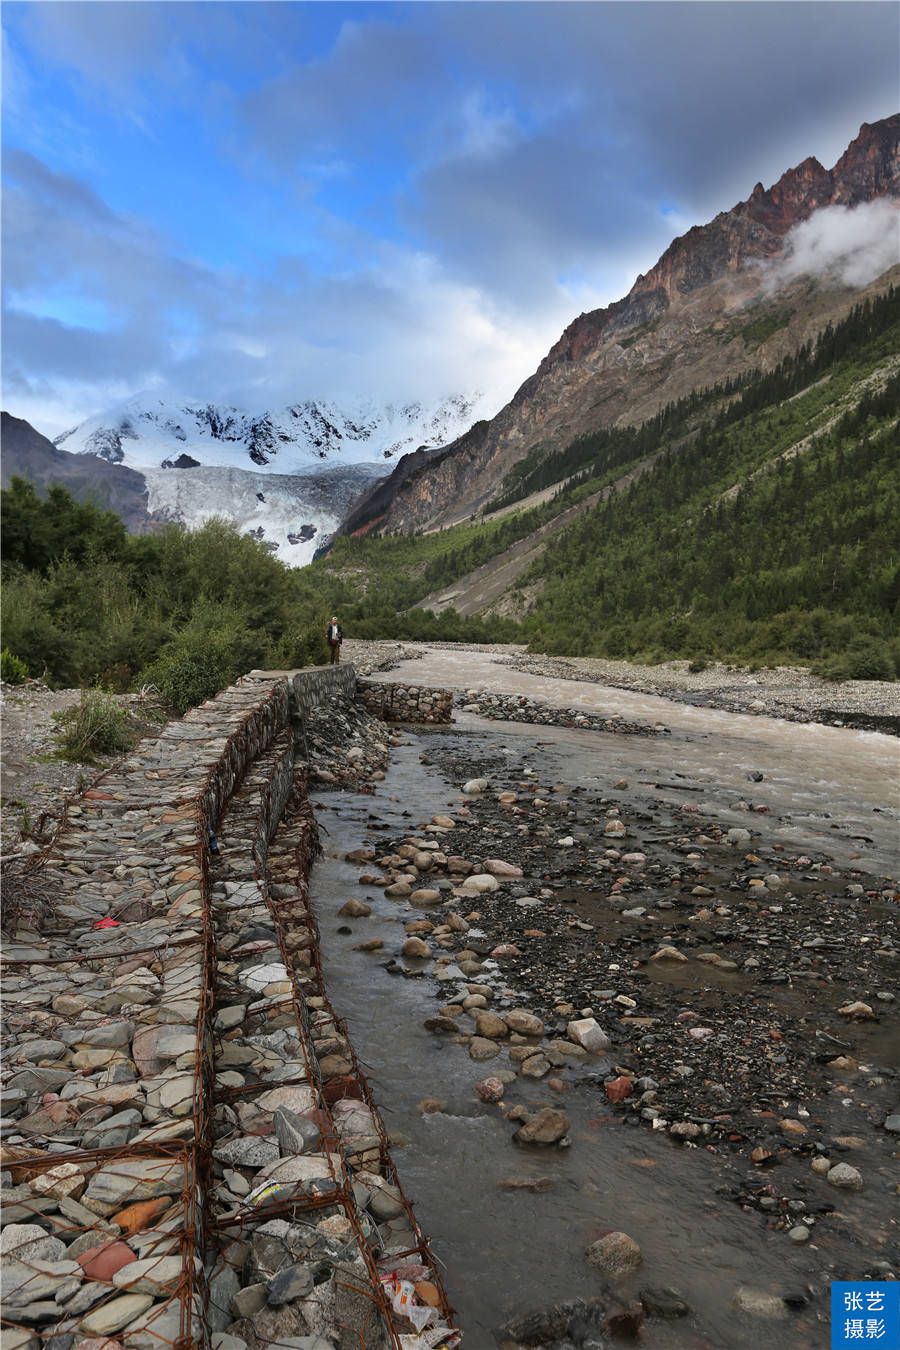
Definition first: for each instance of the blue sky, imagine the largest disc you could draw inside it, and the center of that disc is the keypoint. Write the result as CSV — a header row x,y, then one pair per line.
x,y
265,202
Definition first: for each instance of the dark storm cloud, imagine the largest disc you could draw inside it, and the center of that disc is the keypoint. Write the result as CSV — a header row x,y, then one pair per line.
x,y
640,108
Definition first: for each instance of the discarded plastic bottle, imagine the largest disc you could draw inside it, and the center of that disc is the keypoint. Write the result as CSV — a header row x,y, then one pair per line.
x,y
212,840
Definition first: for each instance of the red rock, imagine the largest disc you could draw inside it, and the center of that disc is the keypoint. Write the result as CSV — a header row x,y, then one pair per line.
x,y
626,1322
490,1090
102,1262
619,1089
139,1216
344,1085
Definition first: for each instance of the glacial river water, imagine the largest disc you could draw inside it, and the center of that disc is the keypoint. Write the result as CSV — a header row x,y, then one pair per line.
x,y
509,1251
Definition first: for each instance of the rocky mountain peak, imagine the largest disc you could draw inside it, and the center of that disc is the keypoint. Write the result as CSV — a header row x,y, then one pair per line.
x,y
680,327
755,228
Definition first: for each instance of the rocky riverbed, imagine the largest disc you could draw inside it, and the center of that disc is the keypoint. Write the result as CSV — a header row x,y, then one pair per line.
x,y
707,985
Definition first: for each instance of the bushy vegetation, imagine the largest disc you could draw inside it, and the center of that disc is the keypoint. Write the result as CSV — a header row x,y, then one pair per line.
x,y
12,670
86,603
764,530
96,725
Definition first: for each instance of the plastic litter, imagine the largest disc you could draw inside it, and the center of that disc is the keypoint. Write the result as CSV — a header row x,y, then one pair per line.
x,y
106,923
403,1300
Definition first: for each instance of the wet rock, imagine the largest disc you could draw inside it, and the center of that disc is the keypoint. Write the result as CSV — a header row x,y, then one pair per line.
x,y
416,947
536,1066
523,1023
498,868
669,954
547,1126
616,1255
759,1303
625,1323
425,897
482,1049
491,1089
857,1012
845,1177
355,909
663,1303
587,1033
491,1026
506,951
619,1088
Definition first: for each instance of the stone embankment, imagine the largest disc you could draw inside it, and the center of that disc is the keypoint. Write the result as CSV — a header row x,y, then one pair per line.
x,y
516,708
406,702
190,1152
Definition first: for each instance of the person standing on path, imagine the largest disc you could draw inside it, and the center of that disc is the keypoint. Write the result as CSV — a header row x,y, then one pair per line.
x,y
334,636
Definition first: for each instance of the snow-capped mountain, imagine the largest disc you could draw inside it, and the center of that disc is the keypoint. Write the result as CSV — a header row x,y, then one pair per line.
x,y
152,433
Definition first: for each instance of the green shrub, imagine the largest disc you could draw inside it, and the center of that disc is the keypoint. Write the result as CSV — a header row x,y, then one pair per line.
x,y
192,669
96,725
864,661
871,661
698,664
12,670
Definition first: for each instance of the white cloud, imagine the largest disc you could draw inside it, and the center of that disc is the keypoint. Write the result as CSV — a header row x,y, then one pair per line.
x,y
852,244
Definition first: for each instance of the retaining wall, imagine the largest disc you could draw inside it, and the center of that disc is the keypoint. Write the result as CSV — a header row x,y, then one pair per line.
x,y
405,702
123,1028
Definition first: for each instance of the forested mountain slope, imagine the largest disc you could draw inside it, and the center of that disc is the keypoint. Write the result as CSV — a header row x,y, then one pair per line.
x,y
733,295
758,523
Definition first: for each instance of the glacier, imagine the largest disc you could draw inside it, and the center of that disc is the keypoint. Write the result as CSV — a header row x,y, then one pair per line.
x,y
288,477
290,513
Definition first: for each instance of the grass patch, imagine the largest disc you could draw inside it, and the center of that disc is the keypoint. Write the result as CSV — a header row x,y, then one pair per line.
x,y
96,725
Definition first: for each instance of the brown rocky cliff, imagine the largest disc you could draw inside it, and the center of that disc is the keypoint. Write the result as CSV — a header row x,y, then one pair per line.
x,y
673,318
